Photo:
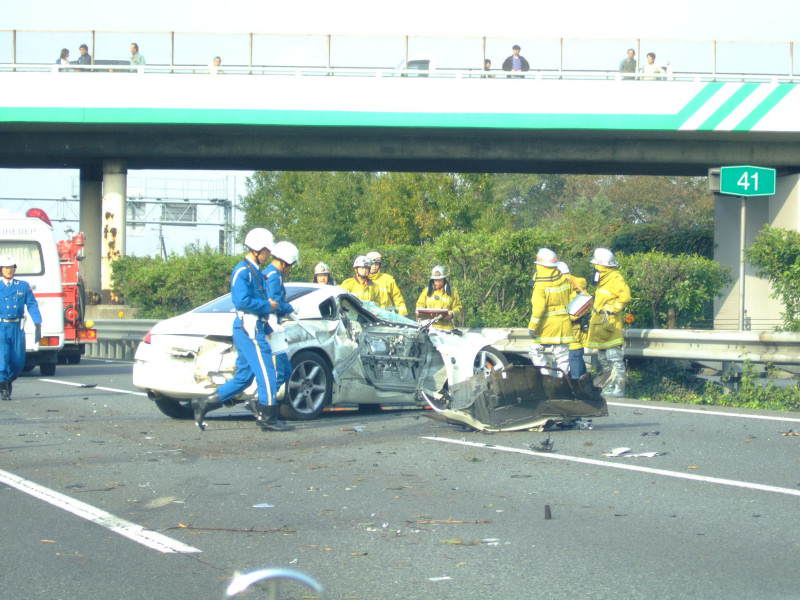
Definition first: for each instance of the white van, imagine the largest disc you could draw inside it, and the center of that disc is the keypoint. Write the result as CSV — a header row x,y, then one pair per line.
x,y
29,239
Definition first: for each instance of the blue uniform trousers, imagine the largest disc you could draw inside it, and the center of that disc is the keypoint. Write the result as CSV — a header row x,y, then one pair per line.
x,y
254,359
577,366
12,351
283,369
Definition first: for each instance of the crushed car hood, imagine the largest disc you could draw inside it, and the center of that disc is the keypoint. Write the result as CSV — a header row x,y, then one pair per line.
x,y
518,398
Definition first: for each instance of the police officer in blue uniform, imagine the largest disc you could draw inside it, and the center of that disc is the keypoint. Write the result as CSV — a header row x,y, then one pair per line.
x,y
250,331
284,257
15,295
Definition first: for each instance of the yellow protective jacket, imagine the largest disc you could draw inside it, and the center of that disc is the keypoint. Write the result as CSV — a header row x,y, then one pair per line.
x,y
367,293
578,334
432,298
610,299
388,293
550,321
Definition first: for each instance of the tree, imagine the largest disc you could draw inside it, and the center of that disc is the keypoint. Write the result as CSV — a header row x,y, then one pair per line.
x,y
776,256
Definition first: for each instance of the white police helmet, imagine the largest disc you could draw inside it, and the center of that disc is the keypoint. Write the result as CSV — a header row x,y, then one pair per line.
x,y
287,252
259,238
6,260
362,261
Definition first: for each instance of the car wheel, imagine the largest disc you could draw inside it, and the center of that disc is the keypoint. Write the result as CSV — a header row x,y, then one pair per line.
x,y
74,359
309,387
47,369
176,409
488,359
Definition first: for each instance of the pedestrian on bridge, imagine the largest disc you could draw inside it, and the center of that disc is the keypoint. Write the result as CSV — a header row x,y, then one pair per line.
x,y
628,64
85,58
605,327
516,63
15,296
136,58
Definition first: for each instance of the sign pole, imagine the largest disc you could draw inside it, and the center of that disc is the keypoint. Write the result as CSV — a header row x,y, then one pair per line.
x,y
742,222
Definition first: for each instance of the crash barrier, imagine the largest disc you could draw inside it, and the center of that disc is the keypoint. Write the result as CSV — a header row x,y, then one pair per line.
x,y
117,339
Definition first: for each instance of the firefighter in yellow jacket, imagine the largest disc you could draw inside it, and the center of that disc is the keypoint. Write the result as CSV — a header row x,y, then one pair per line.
x,y
605,327
580,325
389,295
550,324
440,294
360,285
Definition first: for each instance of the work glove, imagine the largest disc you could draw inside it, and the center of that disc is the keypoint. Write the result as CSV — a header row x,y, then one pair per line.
x,y
38,333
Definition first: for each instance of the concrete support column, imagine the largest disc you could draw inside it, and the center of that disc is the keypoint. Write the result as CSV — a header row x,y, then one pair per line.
x,y
761,312
115,185
90,215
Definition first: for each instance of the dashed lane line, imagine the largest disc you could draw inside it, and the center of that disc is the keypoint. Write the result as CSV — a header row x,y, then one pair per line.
x,y
697,411
132,531
624,467
97,387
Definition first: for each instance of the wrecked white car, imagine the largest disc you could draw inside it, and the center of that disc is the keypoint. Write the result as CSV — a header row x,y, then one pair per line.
x,y
342,351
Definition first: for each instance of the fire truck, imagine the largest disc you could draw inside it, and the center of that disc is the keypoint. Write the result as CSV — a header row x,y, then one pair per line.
x,y
52,270
77,332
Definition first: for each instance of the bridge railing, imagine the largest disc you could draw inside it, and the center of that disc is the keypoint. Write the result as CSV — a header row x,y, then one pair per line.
x,y
362,72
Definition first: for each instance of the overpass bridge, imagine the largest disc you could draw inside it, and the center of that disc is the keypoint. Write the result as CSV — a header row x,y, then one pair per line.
x,y
105,122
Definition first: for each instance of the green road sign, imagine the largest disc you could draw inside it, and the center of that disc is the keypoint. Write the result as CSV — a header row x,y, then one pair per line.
x,y
747,181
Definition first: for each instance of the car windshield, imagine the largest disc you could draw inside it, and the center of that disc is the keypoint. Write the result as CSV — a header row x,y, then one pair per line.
x,y
387,315
223,304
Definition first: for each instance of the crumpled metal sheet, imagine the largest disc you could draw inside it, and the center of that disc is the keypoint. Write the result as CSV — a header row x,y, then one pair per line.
x,y
518,398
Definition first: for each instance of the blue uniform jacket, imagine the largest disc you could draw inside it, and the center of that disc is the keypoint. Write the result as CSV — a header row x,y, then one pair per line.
x,y
276,291
15,297
249,291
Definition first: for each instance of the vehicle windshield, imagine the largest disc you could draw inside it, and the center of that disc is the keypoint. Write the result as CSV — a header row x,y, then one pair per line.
x,y
223,304
28,256
387,315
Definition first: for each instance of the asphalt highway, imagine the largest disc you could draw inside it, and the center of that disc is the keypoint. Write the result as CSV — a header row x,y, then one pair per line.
x,y
102,496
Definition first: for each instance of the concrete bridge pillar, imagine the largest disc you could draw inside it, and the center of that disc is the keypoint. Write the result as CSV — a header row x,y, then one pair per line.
x,y
91,206
115,185
761,313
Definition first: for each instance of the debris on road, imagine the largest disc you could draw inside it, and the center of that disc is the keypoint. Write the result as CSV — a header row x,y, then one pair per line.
x,y
625,453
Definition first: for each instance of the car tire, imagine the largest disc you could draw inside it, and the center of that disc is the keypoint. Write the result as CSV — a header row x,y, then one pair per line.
x,y
308,390
47,369
74,359
173,408
489,358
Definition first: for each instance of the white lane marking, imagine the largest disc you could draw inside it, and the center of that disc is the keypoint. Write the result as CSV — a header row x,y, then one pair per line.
x,y
626,467
697,411
97,387
132,531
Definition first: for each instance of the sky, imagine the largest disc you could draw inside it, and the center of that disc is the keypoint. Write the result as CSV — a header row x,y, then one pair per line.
x,y
680,30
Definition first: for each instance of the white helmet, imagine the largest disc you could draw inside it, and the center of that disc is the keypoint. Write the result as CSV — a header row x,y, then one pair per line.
x,y
375,257
287,252
562,267
438,272
6,260
257,239
546,258
604,257
362,261
322,269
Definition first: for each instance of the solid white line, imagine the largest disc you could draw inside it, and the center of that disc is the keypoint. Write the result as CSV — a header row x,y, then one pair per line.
x,y
626,467
97,387
697,411
132,531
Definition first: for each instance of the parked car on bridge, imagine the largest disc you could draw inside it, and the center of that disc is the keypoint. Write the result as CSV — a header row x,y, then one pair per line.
x,y
342,351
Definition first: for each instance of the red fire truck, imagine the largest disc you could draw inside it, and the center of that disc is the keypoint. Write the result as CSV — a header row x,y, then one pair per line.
x,y
77,332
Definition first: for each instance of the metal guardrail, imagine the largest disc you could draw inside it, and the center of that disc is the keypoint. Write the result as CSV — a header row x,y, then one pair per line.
x,y
118,338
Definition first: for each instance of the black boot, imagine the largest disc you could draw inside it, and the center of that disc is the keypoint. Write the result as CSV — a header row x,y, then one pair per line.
x,y
201,406
5,390
269,420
